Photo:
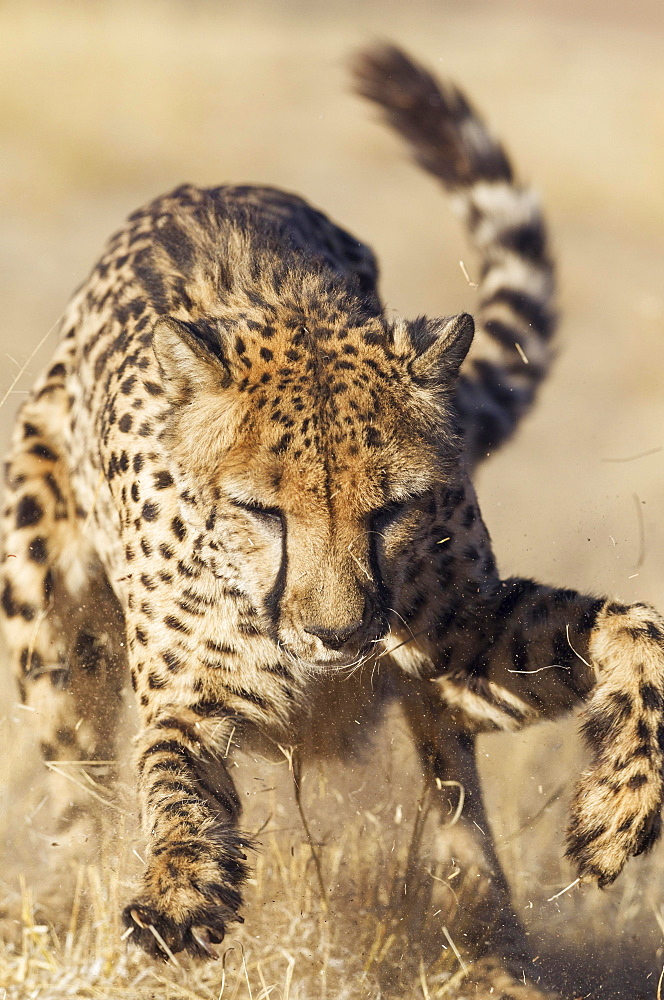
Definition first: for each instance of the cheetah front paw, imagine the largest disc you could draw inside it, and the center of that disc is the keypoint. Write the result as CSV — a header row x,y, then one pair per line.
x,y
191,892
613,817
158,934
615,811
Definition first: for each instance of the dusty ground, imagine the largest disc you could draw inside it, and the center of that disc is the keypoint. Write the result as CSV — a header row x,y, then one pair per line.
x,y
104,105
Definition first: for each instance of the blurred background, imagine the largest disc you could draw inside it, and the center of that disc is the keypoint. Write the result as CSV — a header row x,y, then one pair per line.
x,y
105,104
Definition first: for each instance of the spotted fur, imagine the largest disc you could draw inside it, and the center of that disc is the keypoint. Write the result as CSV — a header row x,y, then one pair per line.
x,y
241,480
516,317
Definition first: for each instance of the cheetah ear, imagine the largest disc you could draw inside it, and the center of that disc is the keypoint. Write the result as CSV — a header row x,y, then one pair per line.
x,y
189,359
442,345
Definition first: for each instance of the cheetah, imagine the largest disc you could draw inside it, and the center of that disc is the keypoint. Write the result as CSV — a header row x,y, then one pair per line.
x,y
241,483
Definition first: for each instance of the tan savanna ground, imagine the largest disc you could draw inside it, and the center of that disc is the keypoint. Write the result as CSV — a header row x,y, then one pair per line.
x,y
102,106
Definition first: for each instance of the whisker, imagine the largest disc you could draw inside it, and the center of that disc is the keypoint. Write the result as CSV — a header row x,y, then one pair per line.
x,y
401,619
413,636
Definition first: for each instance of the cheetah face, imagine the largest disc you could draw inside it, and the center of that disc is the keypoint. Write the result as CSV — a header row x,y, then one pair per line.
x,y
316,460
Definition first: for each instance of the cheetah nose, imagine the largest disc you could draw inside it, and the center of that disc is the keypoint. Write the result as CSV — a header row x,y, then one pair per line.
x,y
335,638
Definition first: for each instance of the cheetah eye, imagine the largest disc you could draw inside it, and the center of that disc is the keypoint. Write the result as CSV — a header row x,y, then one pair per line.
x,y
272,516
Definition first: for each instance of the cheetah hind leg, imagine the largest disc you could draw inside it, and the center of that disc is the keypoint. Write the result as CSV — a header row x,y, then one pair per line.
x,y
470,896
64,630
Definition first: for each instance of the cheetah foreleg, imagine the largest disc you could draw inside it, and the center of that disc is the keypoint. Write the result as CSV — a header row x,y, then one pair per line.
x,y
615,811
536,652
196,860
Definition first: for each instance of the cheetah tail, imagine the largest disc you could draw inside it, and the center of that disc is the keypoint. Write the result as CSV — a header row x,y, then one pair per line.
x,y
515,319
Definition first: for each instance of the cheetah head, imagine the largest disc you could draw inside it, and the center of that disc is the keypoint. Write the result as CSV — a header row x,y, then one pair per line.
x,y
315,446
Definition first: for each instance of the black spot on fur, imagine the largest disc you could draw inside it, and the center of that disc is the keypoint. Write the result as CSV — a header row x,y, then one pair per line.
x,y
162,480
150,511
173,662
38,550
372,437
596,729
41,451
469,516
155,682
9,605
622,705
87,651
172,622
643,730
651,697
531,310
578,841
282,444
654,632
52,484
153,283
28,511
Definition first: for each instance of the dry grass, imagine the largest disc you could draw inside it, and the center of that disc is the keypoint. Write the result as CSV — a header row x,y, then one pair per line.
x,y
104,105
354,925
367,927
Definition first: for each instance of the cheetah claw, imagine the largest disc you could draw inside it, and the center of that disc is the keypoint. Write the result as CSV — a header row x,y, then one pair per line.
x,y
206,939
162,937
